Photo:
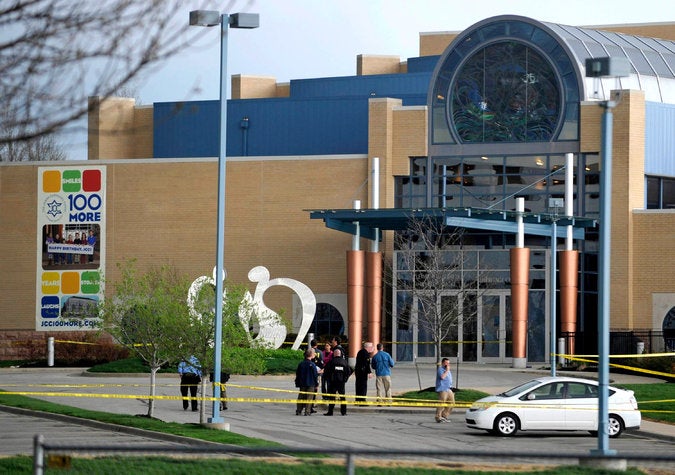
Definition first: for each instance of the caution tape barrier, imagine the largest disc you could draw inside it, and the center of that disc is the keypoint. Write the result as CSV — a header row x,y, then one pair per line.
x,y
321,399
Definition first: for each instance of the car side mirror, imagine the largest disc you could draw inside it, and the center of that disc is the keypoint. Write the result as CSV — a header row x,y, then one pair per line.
x,y
531,397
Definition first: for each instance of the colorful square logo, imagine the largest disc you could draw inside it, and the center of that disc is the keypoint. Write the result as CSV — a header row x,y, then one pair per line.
x,y
49,307
91,282
91,180
51,181
72,181
50,283
70,282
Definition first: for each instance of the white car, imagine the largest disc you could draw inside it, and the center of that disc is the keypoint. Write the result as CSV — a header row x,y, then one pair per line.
x,y
554,403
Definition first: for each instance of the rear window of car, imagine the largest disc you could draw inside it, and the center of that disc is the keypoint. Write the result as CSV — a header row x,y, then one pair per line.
x,y
581,390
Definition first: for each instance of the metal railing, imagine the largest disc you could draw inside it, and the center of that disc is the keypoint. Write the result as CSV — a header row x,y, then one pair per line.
x,y
618,461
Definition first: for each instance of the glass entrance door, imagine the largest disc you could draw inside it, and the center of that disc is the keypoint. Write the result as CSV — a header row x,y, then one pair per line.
x,y
494,327
481,332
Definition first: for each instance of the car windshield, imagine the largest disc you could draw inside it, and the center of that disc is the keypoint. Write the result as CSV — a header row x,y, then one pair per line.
x,y
520,389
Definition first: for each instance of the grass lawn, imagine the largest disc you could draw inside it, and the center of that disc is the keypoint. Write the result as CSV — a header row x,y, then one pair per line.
x,y
287,466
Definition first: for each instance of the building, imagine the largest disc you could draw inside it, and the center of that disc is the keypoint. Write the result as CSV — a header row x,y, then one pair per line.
x,y
481,117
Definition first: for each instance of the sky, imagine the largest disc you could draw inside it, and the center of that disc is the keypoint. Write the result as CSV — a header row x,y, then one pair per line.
x,y
300,39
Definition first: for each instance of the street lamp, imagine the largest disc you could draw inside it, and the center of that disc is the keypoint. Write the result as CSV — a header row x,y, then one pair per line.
x,y
236,20
598,68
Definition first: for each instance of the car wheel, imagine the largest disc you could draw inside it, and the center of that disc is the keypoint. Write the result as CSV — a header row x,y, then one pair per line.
x,y
506,425
614,426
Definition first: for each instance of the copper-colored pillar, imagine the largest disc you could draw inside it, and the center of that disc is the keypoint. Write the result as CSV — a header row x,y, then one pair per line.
x,y
520,279
355,291
569,276
374,295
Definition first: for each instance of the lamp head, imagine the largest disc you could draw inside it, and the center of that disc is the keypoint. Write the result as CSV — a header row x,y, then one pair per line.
x,y
204,18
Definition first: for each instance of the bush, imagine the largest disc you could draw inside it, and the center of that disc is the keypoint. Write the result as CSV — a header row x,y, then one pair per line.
x,y
661,364
73,349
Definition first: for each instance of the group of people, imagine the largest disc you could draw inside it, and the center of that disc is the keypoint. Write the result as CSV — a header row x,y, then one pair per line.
x,y
330,365
70,258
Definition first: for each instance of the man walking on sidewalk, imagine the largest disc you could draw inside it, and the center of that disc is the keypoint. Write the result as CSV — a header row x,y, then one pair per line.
x,y
444,390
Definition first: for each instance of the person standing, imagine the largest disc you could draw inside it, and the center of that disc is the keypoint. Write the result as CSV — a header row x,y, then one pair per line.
x,y
69,255
306,380
91,240
337,372
327,355
363,371
50,256
335,344
444,390
77,241
382,363
318,361
190,377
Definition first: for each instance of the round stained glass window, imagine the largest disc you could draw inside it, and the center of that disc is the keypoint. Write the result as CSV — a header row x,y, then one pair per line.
x,y
505,92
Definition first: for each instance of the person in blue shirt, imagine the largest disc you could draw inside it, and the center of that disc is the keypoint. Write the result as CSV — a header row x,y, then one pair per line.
x,y
444,390
190,377
382,363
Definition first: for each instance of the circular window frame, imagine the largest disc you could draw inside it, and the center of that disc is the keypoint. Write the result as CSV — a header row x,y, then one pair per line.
x,y
459,75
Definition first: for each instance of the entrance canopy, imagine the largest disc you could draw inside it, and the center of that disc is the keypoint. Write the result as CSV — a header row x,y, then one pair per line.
x,y
398,219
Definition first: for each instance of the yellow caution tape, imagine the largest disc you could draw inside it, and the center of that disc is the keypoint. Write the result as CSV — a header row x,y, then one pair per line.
x,y
615,365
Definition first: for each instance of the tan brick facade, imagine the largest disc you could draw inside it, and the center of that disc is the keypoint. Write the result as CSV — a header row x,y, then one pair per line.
x,y
119,129
164,211
367,64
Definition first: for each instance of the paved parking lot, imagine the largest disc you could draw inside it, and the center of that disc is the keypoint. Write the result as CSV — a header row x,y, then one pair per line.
x,y
266,410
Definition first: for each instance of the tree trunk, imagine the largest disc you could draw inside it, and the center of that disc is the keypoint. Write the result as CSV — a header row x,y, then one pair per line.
x,y
151,401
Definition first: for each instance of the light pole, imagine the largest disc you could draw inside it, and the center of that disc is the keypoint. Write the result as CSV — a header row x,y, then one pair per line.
x,y
236,20
598,68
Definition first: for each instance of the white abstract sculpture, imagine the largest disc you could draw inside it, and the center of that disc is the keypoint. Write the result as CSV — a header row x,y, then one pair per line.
x,y
270,328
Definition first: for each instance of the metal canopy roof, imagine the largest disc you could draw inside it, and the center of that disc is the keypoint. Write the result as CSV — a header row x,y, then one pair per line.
x,y
397,219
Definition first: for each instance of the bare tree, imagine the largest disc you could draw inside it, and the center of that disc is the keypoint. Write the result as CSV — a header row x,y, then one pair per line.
x,y
433,265
56,53
43,148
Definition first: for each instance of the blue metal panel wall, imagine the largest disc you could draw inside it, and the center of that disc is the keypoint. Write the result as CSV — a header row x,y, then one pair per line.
x,y
380,85
186,129
321,117
660,139
422,64
275,127
291,127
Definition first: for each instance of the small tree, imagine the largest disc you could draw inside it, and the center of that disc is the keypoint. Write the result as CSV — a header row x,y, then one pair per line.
x,y
197,333
435,263
146,314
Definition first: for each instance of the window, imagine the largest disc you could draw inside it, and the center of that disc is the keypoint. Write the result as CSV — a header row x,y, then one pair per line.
x,y
506,92
660,193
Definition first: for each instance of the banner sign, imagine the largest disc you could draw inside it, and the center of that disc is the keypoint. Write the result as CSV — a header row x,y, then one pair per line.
x,y
71,247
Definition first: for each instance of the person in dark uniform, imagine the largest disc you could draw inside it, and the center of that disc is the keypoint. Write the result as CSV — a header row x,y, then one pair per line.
x,y
337,372
190,377
306,380
363,371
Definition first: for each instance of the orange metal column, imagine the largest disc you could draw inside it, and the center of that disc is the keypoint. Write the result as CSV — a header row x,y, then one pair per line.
x,y
520,278
355,291
374,295
569,276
